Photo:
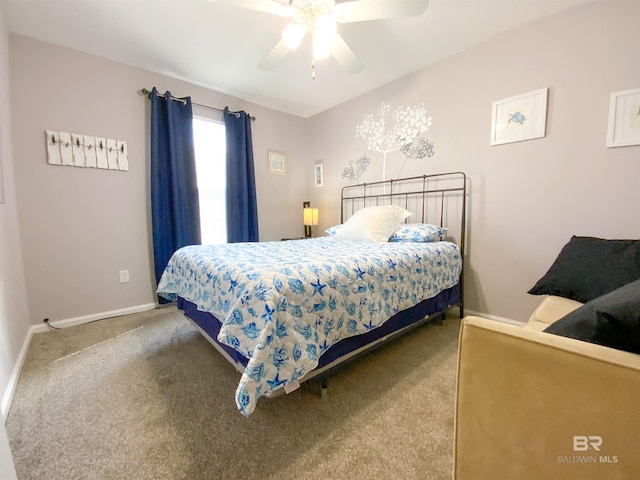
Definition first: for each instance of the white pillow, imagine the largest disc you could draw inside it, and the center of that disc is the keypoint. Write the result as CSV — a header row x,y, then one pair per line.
x,y
372,224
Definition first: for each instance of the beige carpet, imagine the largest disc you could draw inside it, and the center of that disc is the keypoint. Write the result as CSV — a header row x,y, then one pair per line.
x,y
145,396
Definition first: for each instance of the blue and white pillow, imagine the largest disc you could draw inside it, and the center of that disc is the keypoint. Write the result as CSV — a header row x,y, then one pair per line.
x,y
418,232
333,230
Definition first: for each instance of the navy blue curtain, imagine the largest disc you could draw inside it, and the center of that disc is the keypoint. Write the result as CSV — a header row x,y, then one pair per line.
x,y
242,209
175,210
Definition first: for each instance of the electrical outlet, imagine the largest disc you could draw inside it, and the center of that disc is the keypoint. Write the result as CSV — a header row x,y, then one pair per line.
x,y
124,276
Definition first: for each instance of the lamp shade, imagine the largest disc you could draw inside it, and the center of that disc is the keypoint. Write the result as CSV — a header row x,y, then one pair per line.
x,y
310,216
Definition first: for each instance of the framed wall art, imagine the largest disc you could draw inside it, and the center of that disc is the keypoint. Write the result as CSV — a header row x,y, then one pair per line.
x,y
318,174
624,118
518,118
277,162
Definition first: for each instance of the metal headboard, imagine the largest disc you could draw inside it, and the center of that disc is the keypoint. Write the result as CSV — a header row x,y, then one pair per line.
x,y
438,198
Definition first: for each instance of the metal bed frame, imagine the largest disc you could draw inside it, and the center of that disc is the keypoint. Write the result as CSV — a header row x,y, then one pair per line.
x,y
429,196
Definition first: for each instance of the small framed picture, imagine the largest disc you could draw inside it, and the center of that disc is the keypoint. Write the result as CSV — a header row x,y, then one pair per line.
x,y
522,117
276,162
624,118
318,174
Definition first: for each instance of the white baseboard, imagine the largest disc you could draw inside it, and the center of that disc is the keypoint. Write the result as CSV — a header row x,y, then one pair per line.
x,y
70,322
494,317
13,380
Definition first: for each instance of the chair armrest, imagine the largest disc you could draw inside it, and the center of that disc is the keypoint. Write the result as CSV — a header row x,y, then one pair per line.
x,y
523,395
552,308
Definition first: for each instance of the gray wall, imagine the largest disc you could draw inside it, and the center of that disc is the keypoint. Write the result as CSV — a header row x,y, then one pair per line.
x,y
80,226
14,320
526,198
14,310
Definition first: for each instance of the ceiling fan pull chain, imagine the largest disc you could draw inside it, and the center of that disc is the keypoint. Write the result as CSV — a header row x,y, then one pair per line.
x,y
313,69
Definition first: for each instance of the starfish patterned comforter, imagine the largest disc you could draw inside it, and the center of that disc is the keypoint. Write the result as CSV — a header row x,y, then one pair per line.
x,y
282,304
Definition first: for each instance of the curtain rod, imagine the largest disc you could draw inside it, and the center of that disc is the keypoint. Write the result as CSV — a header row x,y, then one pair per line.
x,y
146,91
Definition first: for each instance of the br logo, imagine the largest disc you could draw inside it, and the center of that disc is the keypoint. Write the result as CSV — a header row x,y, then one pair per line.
x,y
582,443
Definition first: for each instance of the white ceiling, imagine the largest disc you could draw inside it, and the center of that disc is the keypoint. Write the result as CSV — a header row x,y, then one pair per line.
x,y
217,45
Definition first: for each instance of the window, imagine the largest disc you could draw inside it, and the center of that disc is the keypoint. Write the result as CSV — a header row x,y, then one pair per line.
x,y
210,150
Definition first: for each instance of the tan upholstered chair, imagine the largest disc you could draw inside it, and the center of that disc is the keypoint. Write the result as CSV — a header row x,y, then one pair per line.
x,y
532,405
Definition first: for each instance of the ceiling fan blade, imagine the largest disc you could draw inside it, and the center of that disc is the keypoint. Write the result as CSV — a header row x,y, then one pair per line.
x,y
274,56
363,10
345,56
276,7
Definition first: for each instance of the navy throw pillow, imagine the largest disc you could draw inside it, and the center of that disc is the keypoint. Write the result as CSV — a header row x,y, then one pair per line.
x,y
612,320
589,267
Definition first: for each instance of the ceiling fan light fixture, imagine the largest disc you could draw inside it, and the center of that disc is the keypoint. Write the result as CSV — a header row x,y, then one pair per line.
x,y
293,35
320,18
321,47
324,32
325,26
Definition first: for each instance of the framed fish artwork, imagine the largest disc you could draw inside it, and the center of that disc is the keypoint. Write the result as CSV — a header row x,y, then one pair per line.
x,y
624,118
518,118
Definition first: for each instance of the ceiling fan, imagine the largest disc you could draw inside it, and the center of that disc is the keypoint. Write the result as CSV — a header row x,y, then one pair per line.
x,y
320,19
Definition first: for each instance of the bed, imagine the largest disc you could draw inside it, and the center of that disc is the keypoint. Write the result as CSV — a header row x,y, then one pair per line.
x,y
285,312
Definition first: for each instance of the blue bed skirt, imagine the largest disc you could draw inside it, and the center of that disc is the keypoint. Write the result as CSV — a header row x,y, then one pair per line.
x,y
440,303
